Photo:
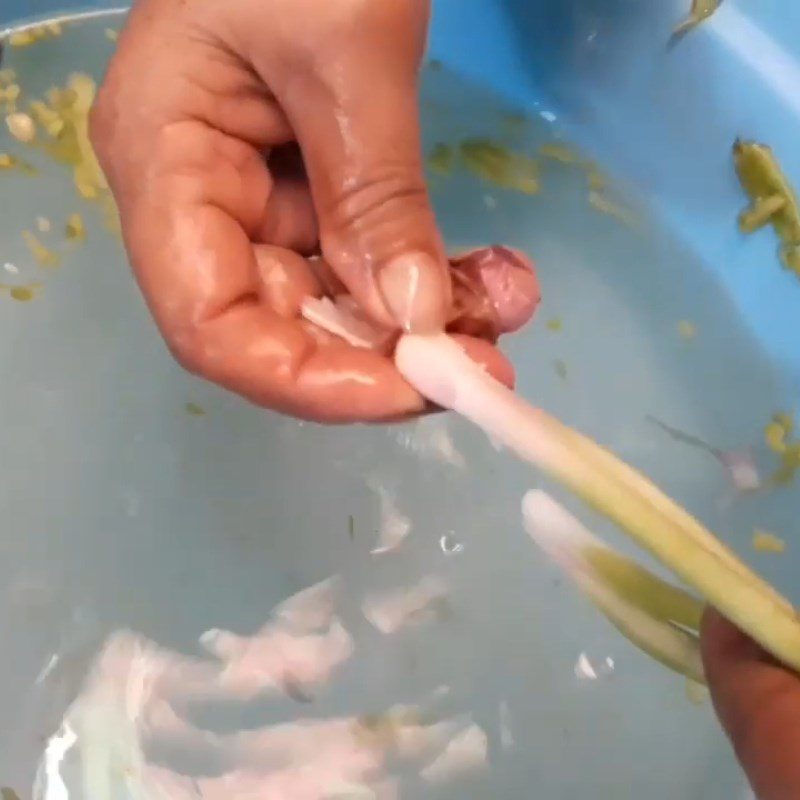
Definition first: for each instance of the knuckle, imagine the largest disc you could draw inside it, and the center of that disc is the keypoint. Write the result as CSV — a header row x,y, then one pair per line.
x,y
388,194
187,349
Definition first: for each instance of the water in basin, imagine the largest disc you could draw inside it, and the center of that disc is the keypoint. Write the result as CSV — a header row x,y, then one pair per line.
x,y
136,497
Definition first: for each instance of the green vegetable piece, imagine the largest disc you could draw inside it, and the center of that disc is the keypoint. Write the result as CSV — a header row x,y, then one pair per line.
x,y
766,542
786,421
43,254
604,205
562,153
700,12
642,588
760,213
772,199
555,325
75,230
775,437
560,367
22,293
790,464
595,177
442,159
500,166
194,410
790,257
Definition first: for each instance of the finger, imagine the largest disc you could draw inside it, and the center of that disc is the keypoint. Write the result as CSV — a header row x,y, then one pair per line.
x,y
507,279
489,357
758,703
285,280
290,220
495,291
362,150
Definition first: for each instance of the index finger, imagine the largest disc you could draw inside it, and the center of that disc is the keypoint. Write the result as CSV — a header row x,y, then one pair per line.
x,y
758,703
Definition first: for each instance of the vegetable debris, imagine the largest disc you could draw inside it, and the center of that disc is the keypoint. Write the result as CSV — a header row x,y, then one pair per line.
x,y
555,151
496,164
21,127
36,33
604,205
772,199
701,10
43,254
75,230
22,293
442,159
765,542
780,439
687,330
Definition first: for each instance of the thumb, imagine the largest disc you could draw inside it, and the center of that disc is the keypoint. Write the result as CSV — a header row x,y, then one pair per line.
x,y
357,122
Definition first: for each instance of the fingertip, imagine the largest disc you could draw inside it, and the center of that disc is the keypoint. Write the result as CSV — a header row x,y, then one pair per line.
x,y
285,279
506,279
723,643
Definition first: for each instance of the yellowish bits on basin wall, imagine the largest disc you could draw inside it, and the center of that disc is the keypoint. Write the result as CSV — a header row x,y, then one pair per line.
x,y
766,542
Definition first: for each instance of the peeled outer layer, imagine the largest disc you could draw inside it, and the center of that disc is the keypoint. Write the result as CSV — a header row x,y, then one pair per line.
x,y
579,551
640,605
437,367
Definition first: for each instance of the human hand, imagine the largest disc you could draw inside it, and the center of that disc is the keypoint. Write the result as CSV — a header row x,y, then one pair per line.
x,y
758,703
238,139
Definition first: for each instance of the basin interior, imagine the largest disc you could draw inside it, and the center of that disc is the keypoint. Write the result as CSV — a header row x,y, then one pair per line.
x,y
137,497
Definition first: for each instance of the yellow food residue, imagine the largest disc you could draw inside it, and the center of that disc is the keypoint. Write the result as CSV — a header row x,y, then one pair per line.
x,y
21,126
501,166
29,36
779,438
43,254
556,151
555,325
442,159
773,199
22,293
765,542
75,229
604,205
194,410
700,11
686,329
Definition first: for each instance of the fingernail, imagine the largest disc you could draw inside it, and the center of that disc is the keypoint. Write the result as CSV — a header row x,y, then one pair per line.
x,y
414,294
